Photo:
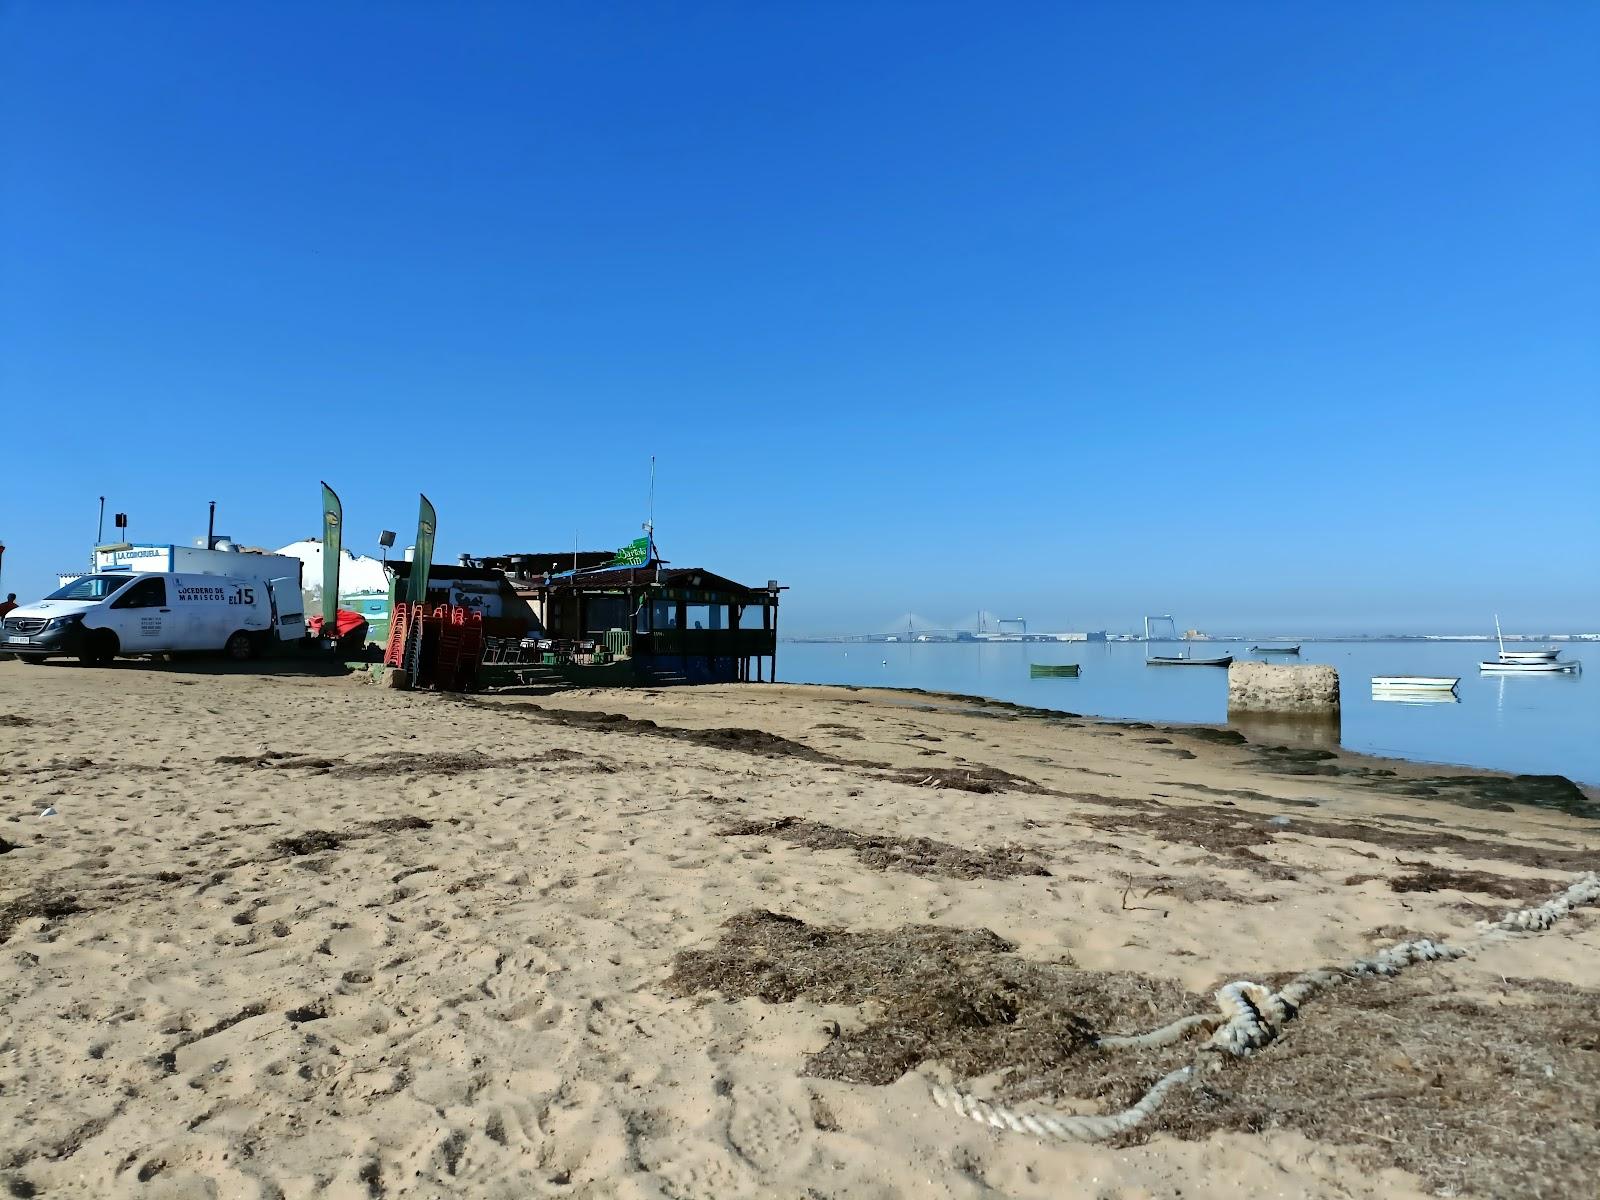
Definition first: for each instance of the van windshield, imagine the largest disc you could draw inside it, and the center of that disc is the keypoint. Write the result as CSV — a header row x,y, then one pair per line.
x,y
90,587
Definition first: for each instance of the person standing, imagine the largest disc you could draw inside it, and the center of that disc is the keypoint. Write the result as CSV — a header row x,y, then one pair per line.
x,y
10,603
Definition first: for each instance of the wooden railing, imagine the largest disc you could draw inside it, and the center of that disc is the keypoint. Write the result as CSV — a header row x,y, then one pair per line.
x,y
715,643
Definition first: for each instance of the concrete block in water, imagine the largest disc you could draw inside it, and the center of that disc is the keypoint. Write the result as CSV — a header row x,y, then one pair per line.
x,y
1282,688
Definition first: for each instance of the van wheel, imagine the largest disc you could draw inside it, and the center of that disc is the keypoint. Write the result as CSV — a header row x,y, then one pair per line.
x,y
241,647
100,649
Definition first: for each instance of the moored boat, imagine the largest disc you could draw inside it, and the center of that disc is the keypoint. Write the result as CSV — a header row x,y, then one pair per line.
x,y
1530,666
1295,649
1053,670
1416,683
1545,654
1186,659
1393,695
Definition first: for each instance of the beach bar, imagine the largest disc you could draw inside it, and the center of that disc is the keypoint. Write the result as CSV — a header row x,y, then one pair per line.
x,y
671,624
595,618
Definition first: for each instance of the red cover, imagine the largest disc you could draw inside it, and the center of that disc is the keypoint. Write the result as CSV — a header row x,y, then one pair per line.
x,y
344,621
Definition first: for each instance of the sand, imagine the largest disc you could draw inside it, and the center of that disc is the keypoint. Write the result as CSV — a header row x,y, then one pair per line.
x,y
290,936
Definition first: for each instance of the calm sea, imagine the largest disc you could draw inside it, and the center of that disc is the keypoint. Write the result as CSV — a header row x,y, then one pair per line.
x,y
1535,724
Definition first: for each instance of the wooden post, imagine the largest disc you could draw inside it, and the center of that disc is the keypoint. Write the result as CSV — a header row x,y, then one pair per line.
x,y
766,627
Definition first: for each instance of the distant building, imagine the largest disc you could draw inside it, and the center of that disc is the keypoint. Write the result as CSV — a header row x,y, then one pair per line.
x,y
363,585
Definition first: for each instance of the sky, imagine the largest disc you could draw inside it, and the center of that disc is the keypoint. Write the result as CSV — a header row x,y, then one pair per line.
x,y
1273,317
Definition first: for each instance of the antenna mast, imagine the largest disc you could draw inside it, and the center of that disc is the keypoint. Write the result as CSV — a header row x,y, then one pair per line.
x,y
650,523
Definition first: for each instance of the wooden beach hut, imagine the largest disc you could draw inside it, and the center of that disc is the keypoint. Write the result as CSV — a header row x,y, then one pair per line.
x,y
672,624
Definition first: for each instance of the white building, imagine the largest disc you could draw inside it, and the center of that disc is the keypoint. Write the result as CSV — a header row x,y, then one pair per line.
x,y
363,584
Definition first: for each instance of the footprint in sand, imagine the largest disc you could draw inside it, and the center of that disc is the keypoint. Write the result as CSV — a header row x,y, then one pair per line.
x,y
767,1128
537,1011
618,1019
695,1171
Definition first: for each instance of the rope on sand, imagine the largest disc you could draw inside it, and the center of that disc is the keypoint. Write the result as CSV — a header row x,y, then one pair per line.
x,y
1249,1017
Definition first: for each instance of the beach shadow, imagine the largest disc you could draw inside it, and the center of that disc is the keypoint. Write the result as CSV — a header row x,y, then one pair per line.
x,y
205,665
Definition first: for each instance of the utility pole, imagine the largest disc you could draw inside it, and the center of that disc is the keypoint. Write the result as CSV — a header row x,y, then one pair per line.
x,y
211,528
100,531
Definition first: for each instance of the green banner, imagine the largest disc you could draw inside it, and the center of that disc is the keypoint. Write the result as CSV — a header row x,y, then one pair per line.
x,y
422,554
635,554
332,544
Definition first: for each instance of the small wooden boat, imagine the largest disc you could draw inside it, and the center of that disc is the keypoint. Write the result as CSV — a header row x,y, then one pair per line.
x,y
1546,654
1295,649
1416,683
1415,696
1053,670
1186,659
1530,666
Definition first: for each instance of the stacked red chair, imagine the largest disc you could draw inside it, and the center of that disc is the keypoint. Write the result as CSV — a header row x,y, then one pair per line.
x,y
439,648
399,623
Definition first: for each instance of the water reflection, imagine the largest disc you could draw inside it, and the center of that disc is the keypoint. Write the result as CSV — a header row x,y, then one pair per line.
x,y
1293,729
1420,696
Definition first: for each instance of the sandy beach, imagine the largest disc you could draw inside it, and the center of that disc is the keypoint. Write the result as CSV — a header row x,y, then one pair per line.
x,y
289,935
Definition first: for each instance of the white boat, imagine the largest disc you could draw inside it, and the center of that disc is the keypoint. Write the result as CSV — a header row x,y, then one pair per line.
x,y
1546,654
1393,695
1507,666
1416,683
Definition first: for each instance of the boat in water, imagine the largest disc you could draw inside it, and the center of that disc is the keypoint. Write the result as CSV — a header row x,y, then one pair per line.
x,y
1544,661
1396,695
1053,670
1295,649
1187,659
1531,666
1415,683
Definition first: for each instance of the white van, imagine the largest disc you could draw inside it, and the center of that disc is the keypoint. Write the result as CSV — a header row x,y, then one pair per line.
x,y
101,616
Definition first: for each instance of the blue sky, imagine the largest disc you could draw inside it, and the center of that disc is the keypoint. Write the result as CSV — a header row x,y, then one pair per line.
x,y
1270,316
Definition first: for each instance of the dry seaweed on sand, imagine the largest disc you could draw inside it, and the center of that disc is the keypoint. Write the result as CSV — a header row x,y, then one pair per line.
x,y
1426,877
1493,1097
757,742
394,762
961,997
972,777
1190,889
1224,828
315,841
41,902
848,733
913,855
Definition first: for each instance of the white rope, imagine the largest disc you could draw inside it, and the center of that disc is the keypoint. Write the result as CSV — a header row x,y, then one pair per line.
x,y
1065,1128
1584,890
1250,1017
